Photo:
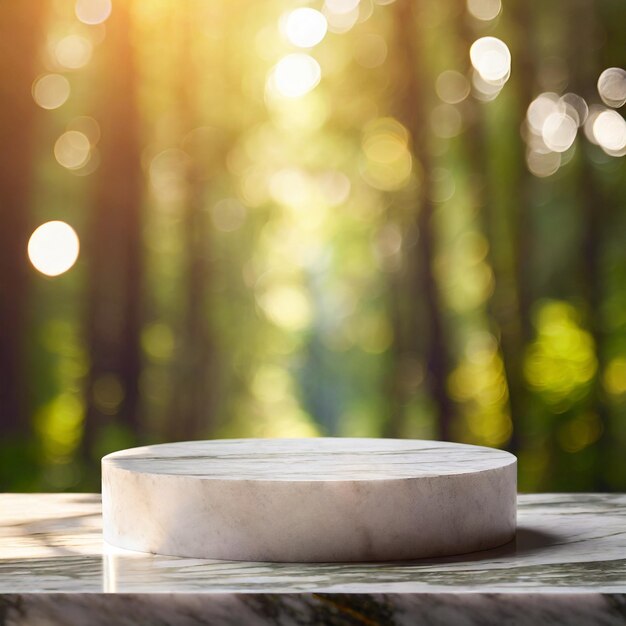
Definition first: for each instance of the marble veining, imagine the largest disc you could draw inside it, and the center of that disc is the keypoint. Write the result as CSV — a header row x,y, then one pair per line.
x,y
566,566
309,500
565,543
313,459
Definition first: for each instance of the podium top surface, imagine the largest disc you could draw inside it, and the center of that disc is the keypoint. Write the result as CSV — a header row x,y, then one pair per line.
x,y
316,459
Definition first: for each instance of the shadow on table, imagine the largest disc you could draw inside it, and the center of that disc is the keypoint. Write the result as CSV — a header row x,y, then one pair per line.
x,y
527,541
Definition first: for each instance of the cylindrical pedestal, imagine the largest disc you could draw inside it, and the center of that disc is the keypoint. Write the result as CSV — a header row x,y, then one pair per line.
x,y
309,500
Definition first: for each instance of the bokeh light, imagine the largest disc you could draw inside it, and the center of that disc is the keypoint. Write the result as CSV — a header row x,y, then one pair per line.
x,y
559,131
228,214
73,52
479,385
561,362
293,188
341,15
614,377
287,306
539,109
452,87
543,163
550,129
304,27
594,111
491,58
53,248
296,74
484,90
609,131
341,6
92,11
612,87
51,91
575,106
388,163
87,126
484,10
71,149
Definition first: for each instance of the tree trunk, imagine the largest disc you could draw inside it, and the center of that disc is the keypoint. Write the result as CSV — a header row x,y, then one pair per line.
x,y
598,210
115,250
509,246
193,398
411,61
20,35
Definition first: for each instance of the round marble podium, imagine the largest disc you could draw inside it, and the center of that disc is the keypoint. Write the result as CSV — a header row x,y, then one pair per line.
x,y
309,500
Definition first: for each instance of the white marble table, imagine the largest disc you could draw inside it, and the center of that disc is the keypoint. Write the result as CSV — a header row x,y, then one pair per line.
x,y
567,566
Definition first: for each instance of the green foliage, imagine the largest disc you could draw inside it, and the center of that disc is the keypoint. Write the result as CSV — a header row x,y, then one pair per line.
x,y
305,260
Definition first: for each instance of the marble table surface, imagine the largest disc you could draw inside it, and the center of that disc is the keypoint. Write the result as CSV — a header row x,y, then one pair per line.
x,y
567,565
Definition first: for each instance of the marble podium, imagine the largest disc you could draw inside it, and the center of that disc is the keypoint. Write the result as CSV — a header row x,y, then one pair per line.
x,y
309,500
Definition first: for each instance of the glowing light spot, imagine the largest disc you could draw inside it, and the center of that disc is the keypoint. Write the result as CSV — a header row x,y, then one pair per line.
x,y
71,149
594,111
341,6
51,91
479,385
287,306
484,10
614,377
302,114
559,131
561,362
228,214
388,161
575,106
53,248
341,15
452,87
542,163
551,127
612,87
304,27
59,425
484,90
87,126
296,74
92,11
540,108
73,52
383,148
491,58
609,131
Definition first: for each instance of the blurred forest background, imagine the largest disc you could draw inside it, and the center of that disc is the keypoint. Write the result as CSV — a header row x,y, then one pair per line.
x,y
276,219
